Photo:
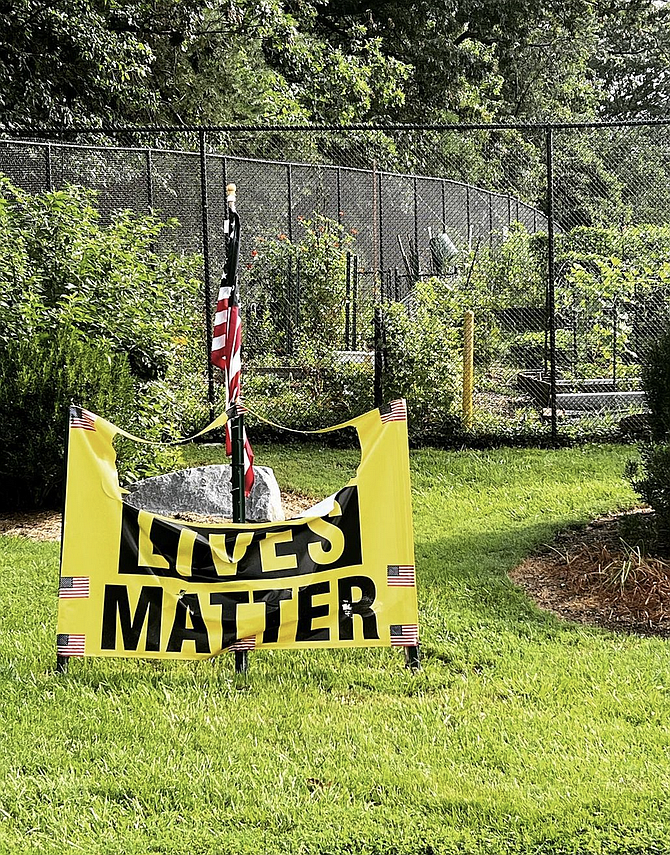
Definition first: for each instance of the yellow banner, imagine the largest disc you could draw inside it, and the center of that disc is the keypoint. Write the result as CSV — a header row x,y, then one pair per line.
x,y
135,583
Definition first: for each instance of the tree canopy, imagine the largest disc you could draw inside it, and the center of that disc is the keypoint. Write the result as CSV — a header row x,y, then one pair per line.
x,y
218,61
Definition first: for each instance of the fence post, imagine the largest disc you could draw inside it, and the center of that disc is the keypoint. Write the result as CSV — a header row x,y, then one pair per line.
x,y
380,225
468,366
417,271
347,304
551,284
379,358
207,279
289,199
296,313
150,182
354,306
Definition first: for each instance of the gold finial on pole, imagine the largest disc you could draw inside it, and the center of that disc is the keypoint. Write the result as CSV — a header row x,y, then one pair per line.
x,y
231,197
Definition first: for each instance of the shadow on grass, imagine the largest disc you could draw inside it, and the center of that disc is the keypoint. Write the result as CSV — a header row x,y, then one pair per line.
x,y
463,583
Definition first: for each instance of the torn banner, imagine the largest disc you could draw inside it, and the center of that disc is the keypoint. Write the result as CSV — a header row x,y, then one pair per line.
x,y
135,583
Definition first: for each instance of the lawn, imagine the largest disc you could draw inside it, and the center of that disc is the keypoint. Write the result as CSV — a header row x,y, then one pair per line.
x,y
522,734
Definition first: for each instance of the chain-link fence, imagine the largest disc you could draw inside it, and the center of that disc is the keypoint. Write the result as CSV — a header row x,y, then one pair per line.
x,y
556,237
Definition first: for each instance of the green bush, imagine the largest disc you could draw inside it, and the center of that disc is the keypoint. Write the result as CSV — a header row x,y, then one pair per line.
x,y
62,266
323,391
306,278
651,476
39,377
89,313
422,361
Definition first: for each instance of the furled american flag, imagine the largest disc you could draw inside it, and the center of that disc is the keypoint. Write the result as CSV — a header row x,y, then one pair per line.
x,y
72,587
404,635
227,342
400,575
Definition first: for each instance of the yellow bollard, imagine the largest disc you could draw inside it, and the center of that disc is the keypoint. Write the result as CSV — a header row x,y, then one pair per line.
x,y
468,367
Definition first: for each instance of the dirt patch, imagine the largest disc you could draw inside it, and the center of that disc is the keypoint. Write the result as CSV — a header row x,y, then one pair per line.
x,y
594,576
37,525
46,525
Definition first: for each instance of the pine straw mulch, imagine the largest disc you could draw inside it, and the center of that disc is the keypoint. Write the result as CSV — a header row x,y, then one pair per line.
x,y
594,576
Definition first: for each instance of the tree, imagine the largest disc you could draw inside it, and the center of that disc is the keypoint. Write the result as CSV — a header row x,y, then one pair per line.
x,y
631,59
68,61
245,62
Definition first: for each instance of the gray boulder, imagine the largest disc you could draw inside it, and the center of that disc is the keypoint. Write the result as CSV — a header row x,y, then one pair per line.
x,y
206,491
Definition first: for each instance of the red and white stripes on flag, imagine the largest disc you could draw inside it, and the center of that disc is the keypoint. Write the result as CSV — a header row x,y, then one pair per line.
x,y
404,635
227,349
70,645
400,575
81,418
244,644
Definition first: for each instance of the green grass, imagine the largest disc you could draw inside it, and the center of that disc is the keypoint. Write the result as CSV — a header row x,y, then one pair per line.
x,y
523,734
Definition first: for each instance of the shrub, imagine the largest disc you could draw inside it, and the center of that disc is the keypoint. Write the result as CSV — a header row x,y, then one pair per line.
x,y
422,358
64,266
651,476
324,391
39,377
306,278
90,313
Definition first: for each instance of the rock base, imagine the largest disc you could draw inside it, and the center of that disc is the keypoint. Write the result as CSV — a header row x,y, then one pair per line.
x,y
206,490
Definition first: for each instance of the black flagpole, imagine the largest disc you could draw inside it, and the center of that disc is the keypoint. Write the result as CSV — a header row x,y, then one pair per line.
x,y
237,420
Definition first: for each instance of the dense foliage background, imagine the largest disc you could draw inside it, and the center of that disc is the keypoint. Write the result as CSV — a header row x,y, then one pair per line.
x,y
221,61
79,292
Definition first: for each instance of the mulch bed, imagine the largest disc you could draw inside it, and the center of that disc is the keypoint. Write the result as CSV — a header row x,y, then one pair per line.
x,y
36,525
593,576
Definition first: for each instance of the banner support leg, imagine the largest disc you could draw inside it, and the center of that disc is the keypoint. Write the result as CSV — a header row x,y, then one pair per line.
x,y
413,658
241,662
61,664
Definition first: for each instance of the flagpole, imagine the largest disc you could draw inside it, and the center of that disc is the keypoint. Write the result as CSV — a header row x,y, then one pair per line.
x,y
237,421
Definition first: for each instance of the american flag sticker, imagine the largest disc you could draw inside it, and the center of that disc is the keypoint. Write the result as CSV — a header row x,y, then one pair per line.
x,y
404,635
80,418
71,587
70,645
244,643
400,575
396,411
